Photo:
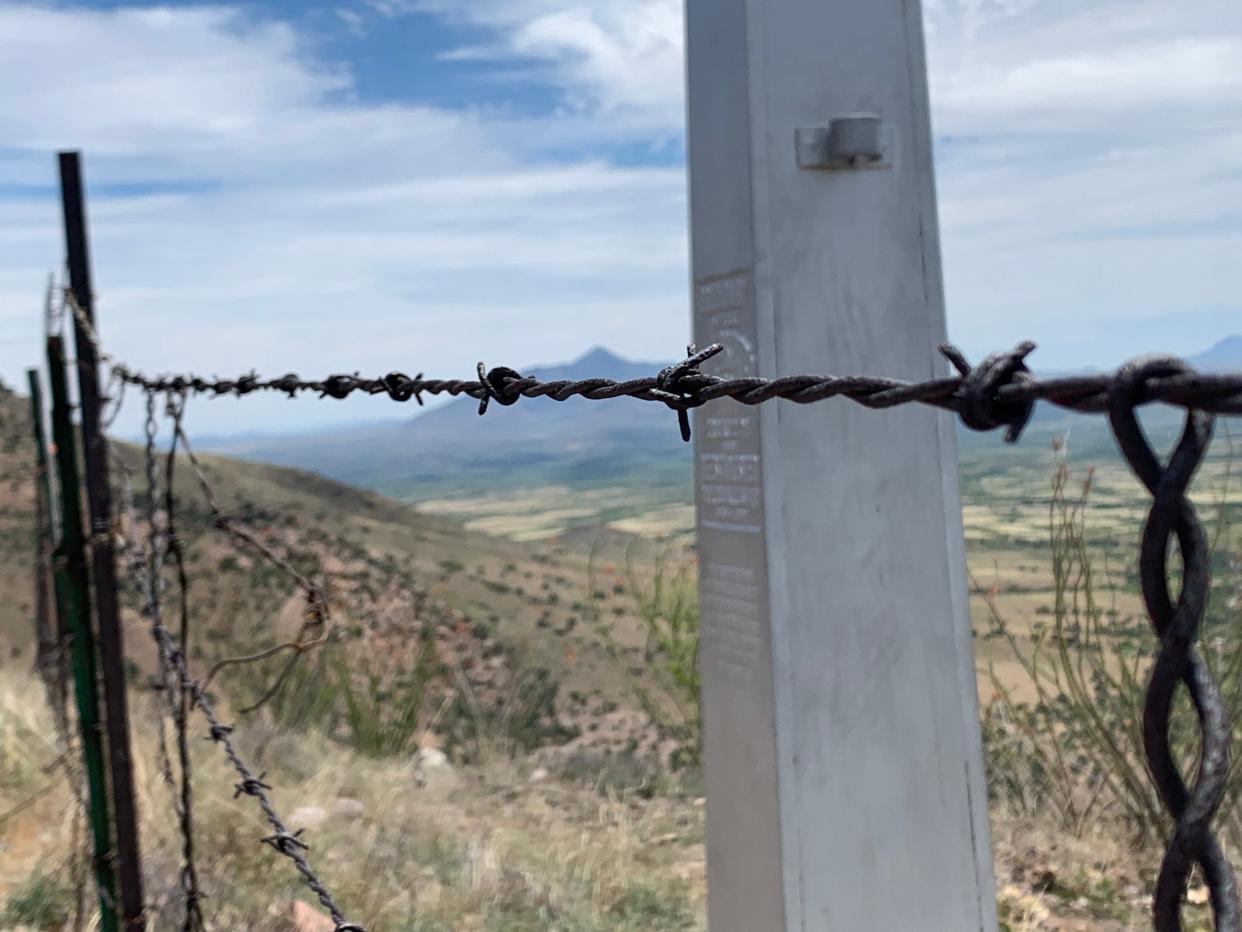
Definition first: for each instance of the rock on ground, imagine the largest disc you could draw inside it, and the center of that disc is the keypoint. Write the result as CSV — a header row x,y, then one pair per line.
x,y
347,808
302,918
307,817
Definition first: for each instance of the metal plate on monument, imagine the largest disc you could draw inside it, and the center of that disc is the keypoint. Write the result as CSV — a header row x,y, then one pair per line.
x,y
729,486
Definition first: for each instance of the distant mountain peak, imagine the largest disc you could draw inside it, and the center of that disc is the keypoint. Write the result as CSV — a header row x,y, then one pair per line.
x,y
597,362
598,355
1232,343
1225,354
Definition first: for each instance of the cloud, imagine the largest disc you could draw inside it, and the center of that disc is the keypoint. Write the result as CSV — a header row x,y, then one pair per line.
x,y
133,81
295,225
1086,164
610,56
1086,152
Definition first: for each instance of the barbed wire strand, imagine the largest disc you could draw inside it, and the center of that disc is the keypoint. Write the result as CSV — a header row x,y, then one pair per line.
x,y
148,557
999,392
162,545
193,921
286,843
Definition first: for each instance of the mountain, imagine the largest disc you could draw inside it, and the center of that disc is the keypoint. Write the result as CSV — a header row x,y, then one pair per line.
x,y
545,419
1227,354
451,448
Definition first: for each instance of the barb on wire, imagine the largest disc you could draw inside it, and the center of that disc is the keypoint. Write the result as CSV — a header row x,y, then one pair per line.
x,y
1176,623
172,655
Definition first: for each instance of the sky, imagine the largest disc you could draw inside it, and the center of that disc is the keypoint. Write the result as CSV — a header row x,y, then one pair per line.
x,y
419,184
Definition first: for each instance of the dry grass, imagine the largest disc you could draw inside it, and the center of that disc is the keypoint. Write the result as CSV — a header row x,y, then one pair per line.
x,y
477,848
497,846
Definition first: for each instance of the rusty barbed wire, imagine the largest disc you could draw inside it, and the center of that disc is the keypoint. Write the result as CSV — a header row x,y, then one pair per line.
x,y
145,561
193,921
162,545
172,654
999,392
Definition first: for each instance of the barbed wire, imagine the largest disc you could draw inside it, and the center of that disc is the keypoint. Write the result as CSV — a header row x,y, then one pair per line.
x,y
173,657
193,916
147,558
999,392
684,386
161,546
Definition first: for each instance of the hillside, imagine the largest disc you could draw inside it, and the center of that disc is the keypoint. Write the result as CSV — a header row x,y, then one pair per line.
x,y
510,620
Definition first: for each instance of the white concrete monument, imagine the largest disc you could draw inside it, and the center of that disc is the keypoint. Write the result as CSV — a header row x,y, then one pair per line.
x,y
845,785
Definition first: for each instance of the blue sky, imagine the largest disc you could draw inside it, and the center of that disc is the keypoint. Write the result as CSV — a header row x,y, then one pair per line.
x,y
417,184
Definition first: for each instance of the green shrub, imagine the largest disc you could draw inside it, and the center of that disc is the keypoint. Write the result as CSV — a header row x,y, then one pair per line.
x,y
668,685
1075,752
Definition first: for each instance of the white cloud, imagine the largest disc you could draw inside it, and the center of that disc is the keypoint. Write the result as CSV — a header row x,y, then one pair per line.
x,y
616,56
1086,159
1087,165
133,81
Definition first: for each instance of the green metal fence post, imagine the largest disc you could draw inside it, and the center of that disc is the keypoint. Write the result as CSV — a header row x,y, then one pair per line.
x,y
73,603
47,633
102,555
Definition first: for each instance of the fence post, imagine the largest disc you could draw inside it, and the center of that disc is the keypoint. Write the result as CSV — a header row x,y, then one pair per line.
x,y
72,588
844,771
48,635
103,557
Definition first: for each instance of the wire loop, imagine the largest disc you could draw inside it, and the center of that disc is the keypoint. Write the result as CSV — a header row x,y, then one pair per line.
x,y
1176,623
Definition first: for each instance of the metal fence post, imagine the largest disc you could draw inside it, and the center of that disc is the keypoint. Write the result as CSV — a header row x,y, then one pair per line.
x,y
103,557
73,602
844,764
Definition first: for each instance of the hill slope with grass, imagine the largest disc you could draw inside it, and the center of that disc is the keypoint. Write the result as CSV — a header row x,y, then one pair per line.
x,y
510,628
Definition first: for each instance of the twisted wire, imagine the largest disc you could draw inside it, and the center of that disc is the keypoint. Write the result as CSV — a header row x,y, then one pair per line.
x,y
1176,624
999,398
1000,391
145,562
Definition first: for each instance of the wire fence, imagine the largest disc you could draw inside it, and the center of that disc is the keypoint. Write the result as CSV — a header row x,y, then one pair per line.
x,y
1000,392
